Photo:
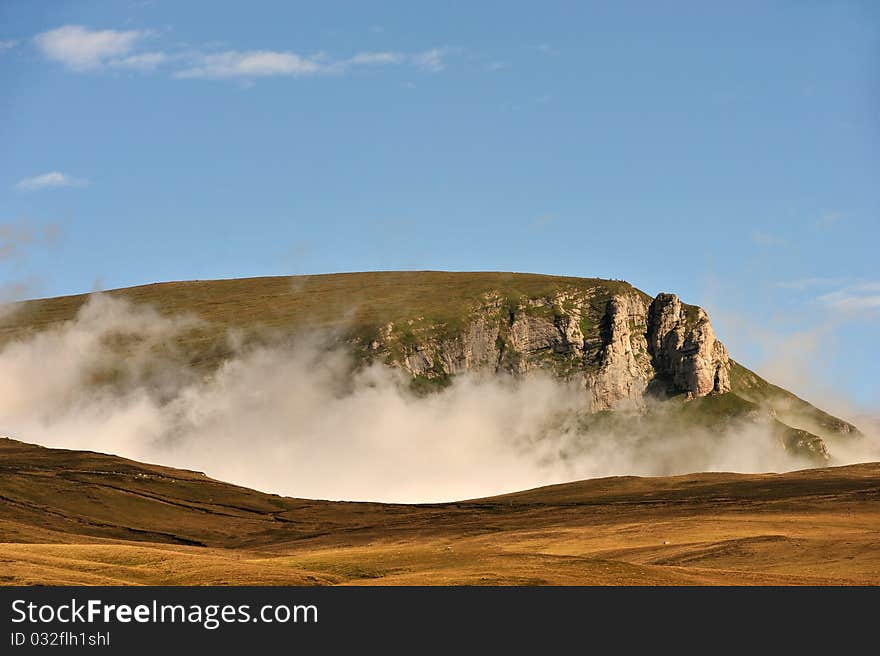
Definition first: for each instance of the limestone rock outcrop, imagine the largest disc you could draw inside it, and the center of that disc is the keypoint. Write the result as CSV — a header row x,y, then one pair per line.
x,y
623,366
622,346
685,349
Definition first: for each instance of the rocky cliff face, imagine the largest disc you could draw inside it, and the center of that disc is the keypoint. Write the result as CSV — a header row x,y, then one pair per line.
x,y
684,347
622,346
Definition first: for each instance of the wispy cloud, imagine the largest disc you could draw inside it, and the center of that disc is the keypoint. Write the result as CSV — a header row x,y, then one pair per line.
x,y
255,63
18,241
547,49
495,66
16,238
854,298
146,61
81,49
829,219
530,103
50,180
433,59
367,58
7,45
766,239
270,63
801,284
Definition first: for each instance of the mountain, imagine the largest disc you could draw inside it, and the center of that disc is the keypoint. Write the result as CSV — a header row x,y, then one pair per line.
x,y
83,518
625,348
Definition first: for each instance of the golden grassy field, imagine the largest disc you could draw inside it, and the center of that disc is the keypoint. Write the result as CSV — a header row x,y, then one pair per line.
x,y
71,517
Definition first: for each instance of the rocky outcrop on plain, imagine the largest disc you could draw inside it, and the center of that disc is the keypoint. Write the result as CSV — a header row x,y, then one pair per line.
x,y
623,346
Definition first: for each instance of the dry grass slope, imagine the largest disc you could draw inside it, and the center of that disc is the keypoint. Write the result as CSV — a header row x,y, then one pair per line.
x,y
71,517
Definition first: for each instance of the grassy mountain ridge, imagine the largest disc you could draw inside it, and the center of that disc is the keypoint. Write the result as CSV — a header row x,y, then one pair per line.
x,y
359,299
357,304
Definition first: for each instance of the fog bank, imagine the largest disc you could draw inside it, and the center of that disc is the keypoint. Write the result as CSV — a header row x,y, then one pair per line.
x,y
299,419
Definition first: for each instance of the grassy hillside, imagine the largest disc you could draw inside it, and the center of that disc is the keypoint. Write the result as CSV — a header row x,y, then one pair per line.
x,y
359,304
355,300
787,407
49,494
73,517
712,417
356,304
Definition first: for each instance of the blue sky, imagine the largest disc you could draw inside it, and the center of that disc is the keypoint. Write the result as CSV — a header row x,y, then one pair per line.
x,y
725,151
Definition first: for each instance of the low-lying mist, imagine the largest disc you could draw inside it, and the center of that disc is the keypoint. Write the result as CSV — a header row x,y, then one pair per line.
x,y
300,419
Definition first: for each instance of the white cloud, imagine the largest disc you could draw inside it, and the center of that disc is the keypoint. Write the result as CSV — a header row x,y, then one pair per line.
x,y
270,63
7,45
255,63
854,298
50,180
431,60
376,58
147,61
81,49
853,303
